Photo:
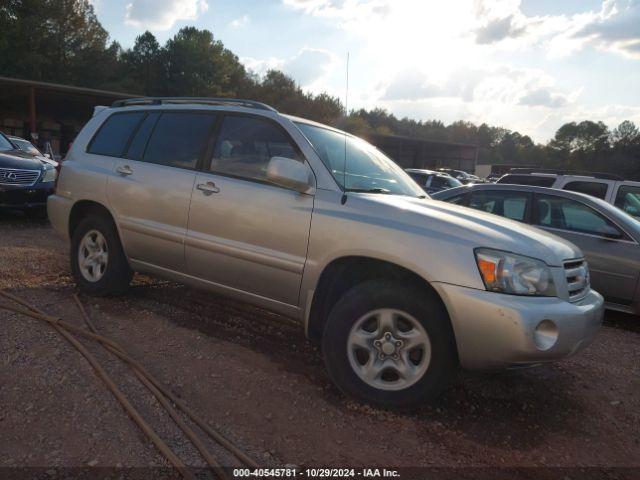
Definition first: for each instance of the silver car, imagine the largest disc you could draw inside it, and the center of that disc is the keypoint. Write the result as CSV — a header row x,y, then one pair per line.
x,y
608,236
318,225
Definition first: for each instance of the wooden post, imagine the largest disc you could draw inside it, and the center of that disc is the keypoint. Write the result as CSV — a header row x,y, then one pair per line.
x,y
32,110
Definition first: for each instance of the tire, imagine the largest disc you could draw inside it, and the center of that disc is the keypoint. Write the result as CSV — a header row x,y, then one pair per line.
x,y
113,275
362,316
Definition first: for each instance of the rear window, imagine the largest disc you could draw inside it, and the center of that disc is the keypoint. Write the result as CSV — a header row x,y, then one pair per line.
x,y
534,180
595,189
114,134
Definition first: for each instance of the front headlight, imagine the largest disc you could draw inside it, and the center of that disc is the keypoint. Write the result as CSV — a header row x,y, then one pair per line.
x,y
514,274
49,175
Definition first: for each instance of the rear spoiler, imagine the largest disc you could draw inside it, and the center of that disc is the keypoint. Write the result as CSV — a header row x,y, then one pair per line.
x,y
98,108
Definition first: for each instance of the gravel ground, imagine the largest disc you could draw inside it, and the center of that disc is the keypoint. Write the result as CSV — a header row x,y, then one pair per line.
x,y
253,376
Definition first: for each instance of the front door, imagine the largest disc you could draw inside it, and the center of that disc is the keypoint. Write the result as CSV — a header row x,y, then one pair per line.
x,y
244,232
150,189
613,263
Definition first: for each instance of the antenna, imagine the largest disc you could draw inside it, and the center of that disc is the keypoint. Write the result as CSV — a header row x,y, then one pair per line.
x,y
346,111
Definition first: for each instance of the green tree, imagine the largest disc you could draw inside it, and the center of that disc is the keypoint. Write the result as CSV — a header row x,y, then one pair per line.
x,y
198,65
626,135
143,65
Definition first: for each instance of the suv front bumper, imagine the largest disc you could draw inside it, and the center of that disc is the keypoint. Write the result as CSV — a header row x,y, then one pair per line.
x,y
495,330
25,197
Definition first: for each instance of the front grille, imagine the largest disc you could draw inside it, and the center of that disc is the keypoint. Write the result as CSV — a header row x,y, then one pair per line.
x,y
14,176
577,274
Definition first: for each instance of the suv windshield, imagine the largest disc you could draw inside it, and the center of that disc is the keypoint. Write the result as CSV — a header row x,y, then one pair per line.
x,y
367,169
5,144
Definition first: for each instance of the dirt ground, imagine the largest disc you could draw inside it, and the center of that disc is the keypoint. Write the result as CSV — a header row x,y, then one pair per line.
x,y
252,375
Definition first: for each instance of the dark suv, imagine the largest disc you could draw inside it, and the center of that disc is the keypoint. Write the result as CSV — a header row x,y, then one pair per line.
x,y
26,180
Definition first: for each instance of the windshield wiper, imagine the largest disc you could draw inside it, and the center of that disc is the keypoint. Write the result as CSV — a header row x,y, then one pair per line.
x,y
368,190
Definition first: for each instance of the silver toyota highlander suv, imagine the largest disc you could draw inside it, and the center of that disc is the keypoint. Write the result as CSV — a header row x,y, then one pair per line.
x,y
316,224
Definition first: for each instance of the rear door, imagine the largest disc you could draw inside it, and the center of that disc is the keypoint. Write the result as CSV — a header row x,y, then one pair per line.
x,y
150,189
245,233
614,271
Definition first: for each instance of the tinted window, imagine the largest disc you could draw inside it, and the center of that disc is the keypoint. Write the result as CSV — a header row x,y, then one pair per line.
x,y
458,200
595,189
419,178
140,139
245,146
535,180
179,139
566,214
439,182
512,205
113,136
628,199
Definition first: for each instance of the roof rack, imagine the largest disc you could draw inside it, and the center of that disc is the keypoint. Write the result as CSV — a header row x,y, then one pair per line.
x,y
186,100
581,173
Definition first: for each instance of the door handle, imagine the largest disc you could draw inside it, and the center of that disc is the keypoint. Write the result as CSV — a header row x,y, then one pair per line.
x,y
208,188
124,170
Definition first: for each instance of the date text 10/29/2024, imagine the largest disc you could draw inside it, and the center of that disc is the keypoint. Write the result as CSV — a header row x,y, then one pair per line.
x,y
315,473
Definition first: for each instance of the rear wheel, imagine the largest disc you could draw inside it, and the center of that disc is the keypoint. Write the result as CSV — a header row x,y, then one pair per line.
x,y
389,345
98,262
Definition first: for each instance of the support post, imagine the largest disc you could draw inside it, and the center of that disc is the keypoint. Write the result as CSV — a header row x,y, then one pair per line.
x,y
32,111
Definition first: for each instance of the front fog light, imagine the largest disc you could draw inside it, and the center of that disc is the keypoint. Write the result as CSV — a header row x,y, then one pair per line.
x,y
545,335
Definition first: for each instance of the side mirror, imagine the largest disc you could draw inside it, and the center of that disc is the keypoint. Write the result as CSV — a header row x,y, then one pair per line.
x,y
289,173
610,233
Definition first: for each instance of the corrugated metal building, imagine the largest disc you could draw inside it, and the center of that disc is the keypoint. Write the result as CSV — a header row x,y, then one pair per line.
x,y
48,112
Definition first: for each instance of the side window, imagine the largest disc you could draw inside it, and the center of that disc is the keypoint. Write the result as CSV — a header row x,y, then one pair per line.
x,y
179,139
512,205
439,182
245,145
114,134
419,178
595,189
140,139
628,199
566,214
458,199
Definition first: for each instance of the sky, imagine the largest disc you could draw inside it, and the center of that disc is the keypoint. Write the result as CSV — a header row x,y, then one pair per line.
x,y
526,65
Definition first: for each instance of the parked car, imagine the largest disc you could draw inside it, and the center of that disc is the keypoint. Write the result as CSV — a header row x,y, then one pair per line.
x,y
431,181
461,175
26,180
609,238
316,224
624,194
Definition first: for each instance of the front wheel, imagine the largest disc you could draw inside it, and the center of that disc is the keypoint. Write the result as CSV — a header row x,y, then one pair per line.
x,y
98,262
389,344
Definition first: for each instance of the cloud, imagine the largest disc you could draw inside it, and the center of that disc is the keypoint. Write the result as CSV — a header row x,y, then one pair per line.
x,y
617,29
500,84
240,21
498,29
543,97
309,67
162,14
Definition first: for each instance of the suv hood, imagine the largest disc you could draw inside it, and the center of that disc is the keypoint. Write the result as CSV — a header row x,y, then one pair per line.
x,y
20,160
472,228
